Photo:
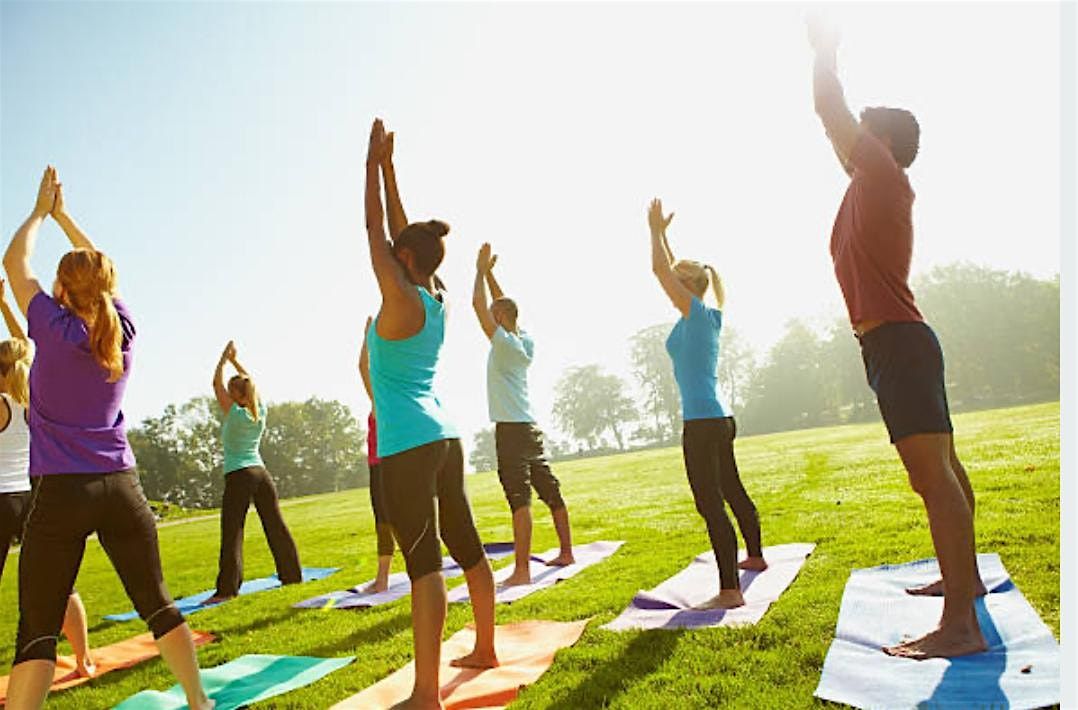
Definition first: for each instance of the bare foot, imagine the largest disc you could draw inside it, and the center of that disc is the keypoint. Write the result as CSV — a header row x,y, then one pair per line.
x,y
563,560
756,564
517,578
941,643
218,599
378,585
85,667
476,659
725,599
414,703
935,589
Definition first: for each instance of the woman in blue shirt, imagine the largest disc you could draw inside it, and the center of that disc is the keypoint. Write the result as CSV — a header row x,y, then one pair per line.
x,y
708,436
422,460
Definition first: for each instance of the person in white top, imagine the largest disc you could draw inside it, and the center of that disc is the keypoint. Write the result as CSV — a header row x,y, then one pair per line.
x,y
16,497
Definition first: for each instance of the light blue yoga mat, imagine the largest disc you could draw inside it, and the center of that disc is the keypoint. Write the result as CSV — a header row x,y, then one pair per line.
x,y
197,602
399,585
243,681
1019,670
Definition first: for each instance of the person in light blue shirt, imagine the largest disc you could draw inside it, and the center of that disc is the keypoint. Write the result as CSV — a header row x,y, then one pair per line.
x,y
422,459
709,429
522,461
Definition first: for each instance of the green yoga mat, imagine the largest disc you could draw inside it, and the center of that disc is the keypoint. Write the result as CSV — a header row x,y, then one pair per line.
x,y
245,680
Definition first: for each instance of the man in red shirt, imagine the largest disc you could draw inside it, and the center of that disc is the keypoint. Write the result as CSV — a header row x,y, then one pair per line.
x,y
871,246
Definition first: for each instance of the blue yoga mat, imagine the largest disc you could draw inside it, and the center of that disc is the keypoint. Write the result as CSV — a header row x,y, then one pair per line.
x,y
1019,670
196,602
243,681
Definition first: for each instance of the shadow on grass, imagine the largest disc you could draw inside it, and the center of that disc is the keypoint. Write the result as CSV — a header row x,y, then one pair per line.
x,y
377,632
614,676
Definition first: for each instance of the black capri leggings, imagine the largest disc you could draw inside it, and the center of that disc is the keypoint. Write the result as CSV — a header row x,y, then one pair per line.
x,y
13,508
424,488
382,529
64,511
708,446
522,465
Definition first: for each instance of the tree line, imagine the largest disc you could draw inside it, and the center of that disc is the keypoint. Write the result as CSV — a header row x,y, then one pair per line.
x,y
999,330
316,446
1000,336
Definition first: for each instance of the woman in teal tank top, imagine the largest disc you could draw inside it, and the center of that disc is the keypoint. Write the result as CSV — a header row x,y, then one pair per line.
x,y
422,460
707,440
247,481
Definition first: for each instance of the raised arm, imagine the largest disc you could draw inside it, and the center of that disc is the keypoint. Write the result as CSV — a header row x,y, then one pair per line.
x,y
24,285
224,400
492,283
394,206
365,364
13,326
662,260
75,235
830,101
401,307
483,263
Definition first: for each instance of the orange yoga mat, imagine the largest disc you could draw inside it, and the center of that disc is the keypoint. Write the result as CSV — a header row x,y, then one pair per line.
x,y
122,654
525,650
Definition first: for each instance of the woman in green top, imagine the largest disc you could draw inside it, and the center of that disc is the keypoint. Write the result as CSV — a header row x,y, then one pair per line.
x,y
247,480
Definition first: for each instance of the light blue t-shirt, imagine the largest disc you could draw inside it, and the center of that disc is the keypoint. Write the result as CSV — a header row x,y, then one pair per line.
x,y
507,376
693,345
241,436
408,412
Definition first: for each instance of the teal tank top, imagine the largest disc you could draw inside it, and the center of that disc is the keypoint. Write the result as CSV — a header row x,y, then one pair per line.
x,y
240,437
408,412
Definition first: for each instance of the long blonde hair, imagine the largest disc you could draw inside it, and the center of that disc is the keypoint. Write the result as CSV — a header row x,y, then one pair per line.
x,y
15,358
696,277
246,386
88,279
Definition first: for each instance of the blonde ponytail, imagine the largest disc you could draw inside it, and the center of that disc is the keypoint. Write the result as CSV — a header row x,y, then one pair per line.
x,y
15,370
252,399
716,286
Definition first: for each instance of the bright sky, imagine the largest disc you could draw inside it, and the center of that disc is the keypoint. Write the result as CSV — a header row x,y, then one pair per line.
x,y
215,151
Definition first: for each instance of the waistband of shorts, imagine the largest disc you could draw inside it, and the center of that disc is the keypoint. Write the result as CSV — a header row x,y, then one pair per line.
x,y
886,330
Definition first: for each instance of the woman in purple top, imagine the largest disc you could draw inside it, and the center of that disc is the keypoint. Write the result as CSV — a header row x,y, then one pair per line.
x,y
78,449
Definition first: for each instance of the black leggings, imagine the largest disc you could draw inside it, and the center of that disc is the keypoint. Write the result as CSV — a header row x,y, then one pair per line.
x,y
243,486
13,508
64,511
708,446
382,529
412,481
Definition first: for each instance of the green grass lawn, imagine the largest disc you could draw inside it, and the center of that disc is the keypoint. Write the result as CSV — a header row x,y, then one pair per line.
x,y
842,488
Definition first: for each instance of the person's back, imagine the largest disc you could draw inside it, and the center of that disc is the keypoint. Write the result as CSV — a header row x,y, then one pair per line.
x,y
76,419
408,411
510,356
241,437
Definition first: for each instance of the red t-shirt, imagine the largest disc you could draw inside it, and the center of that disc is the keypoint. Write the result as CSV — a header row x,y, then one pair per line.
x,y
372,441
872,240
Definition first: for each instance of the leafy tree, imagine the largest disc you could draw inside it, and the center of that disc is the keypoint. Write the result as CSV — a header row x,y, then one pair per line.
x,y
737,365
484,455
590,404
655,374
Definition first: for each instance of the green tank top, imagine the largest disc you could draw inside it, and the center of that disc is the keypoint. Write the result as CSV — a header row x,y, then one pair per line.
x,y
240,436
408,412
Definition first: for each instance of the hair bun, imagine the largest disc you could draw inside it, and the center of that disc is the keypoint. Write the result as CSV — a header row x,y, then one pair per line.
x,y
438,228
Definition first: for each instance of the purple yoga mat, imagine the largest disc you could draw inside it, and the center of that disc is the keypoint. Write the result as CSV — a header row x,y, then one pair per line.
x,y
399,585
669,606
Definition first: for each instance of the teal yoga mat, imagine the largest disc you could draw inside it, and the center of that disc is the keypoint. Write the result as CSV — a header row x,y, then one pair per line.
x,y
245,680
